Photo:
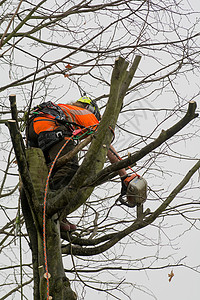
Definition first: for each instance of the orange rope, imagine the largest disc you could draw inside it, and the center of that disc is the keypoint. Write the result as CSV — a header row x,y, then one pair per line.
x,y
117,155
44,214
45,199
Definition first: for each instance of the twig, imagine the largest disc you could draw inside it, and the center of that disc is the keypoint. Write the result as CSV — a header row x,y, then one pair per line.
x,y
9,24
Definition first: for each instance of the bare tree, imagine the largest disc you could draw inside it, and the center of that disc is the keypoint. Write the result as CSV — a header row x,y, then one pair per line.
x,y
46,47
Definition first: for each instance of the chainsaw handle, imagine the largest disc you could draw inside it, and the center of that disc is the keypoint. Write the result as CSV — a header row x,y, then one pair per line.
x,y
121,200
130,177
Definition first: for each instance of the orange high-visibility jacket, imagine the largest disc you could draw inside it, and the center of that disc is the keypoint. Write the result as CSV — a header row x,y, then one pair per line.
x,y
73,113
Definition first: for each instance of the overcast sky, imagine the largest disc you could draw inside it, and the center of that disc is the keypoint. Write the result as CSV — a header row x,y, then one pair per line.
x,y
185,283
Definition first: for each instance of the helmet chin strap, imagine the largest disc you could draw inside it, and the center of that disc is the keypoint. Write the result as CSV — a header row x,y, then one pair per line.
x,y
90,108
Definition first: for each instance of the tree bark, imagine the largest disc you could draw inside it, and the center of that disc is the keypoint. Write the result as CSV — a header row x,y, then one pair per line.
x,y
132,159
76,193
59,284
33,172
32,233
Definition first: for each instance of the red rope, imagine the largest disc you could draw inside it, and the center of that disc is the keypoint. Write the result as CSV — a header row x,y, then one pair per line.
x,y
45,199
117,155
44,214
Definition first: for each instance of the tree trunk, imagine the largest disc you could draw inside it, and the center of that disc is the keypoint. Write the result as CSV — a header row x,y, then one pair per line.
x,y
32,233
59,286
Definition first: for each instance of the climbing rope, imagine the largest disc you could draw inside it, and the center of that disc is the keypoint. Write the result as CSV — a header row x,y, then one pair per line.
x,y
117,155
44,214
77,134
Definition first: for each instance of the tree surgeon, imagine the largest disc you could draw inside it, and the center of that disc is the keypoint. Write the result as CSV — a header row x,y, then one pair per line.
x,y
50,125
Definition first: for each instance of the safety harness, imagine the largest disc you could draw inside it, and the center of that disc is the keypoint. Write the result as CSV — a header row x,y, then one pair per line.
x,y
53,111
49,109
46,139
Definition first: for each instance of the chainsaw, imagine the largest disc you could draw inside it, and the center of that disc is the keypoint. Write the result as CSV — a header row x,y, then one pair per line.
x,y
136,192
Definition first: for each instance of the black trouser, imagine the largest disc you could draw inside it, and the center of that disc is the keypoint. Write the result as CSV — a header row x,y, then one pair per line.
x,y
62,176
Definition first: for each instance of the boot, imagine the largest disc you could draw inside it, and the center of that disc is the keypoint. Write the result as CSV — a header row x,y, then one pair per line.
x,y
67,226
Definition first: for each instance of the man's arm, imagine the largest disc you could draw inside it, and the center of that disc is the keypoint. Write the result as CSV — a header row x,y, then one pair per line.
x,y
115,158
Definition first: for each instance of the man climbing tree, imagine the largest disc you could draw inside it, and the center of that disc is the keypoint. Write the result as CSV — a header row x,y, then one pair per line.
x,y
54,51
45,214
51,125
69,198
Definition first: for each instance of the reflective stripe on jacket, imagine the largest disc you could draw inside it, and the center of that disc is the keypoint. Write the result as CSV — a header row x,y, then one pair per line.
x,y
73,113
79,115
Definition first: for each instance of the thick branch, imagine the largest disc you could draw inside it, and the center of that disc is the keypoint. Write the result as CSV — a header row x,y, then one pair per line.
x,y
97,152
32,233
22,165
84,251
67,157
12,99
138,224
164,136
86,242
